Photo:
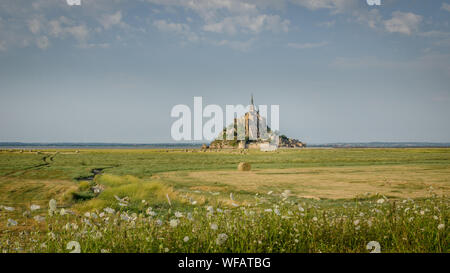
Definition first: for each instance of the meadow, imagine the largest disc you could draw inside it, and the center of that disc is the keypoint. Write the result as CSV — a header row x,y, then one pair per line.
x,y
292,200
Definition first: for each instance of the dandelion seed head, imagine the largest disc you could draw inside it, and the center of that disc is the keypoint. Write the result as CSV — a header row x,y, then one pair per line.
x,y
174,223
221,239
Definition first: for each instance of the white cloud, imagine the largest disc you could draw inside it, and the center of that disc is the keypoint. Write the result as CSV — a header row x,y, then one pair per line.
x,y
34,25
180,29
307,45
80,32
210,10
93,45
371,18
327,24
237,45
445,6
42,42
255,24
110,20
233,16
163,25
63,26
403,22
337,6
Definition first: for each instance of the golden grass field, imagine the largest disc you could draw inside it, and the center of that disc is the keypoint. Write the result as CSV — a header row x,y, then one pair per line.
x,y
323,182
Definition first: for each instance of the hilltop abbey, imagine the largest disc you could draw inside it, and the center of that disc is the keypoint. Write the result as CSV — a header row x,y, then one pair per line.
x,y
257,135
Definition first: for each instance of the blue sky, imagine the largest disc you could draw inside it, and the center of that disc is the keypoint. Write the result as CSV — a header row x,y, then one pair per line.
x,y
111,71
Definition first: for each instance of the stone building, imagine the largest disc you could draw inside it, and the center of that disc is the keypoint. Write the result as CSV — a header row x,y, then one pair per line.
x,y
257,134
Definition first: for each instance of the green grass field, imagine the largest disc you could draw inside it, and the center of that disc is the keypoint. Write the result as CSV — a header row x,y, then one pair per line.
x,y
307,200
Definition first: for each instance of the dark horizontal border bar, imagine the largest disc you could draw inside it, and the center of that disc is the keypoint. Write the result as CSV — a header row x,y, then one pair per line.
x,y
228,262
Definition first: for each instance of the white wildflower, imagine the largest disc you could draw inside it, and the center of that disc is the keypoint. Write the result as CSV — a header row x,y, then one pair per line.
x,y
380,201
286,193
109,210
441,226
34,207
125,217
221,238
214,226
149,210
174,222
178,214
11,222
186,239
210,209
51,235
39,218
8,208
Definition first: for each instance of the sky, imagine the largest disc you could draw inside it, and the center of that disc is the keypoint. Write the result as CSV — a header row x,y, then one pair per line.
x,y
112,70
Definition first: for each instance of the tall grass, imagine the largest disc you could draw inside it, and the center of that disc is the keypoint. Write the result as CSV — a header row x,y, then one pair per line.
x,y
283,224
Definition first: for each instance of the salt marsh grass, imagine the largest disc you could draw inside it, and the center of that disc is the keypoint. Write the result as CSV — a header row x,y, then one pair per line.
x,y
336,200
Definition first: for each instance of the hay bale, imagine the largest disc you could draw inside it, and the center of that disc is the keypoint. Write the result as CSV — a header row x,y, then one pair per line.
x,y
244,166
